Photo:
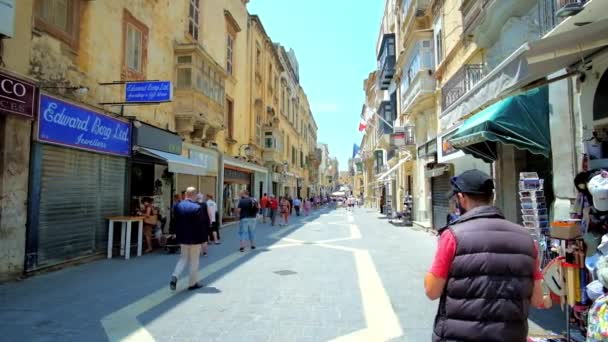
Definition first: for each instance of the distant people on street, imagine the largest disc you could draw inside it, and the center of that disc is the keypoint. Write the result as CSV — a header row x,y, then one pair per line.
x,y
453,212
285,208
150,221
248,210
274,209
597,327
265,206
307,206
200,199
481,300
214,218
191,225
297,204
290,205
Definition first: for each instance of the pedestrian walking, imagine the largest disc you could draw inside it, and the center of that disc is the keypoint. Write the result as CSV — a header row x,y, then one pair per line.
x,y
297,204
307,206
485,272
264,204
191,226
290,212
200,199
214,218
285,208
248,210
274,209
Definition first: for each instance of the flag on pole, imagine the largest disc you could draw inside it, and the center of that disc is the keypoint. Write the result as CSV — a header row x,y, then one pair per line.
x,y
362,125
356,150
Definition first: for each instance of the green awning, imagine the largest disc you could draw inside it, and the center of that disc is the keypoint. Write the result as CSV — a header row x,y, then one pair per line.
x,y
521,121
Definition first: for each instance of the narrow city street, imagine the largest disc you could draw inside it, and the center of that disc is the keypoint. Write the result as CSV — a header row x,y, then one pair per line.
x,y
331,276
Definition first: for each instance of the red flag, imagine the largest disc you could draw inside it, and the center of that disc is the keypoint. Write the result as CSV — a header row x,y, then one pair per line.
x,y
362,125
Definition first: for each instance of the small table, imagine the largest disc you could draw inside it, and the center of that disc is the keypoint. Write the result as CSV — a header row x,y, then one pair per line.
x,y
125,234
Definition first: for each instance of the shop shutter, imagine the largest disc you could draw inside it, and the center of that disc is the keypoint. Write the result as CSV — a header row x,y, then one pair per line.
x,y
185,181
440,186
78,191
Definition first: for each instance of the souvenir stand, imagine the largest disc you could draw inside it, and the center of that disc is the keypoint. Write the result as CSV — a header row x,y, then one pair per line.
x,y
570,249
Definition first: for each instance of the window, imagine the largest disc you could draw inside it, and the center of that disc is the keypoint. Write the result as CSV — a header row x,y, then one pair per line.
x,y
293,155
134,48
258,128
438,38
229,119
229,53
58,18
301,159
193,17
270,141
258,57
200,75
135,40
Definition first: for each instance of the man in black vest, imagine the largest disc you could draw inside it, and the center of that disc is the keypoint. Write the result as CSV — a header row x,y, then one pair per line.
x,y
485,272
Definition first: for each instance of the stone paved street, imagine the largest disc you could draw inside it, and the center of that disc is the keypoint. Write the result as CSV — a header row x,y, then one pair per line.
x,y
331,276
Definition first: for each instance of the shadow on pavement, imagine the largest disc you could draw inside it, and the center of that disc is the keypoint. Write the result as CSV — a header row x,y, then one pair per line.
x,y
45,307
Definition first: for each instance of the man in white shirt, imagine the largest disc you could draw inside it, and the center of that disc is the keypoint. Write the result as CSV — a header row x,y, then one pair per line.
x,y
215,225
297,204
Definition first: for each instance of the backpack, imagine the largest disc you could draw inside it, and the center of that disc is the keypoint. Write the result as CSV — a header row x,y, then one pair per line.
x,y
255,208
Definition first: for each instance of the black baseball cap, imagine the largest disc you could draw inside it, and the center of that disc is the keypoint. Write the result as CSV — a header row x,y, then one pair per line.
x,y
472,182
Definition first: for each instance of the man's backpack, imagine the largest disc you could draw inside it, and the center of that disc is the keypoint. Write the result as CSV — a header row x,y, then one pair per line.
x,y
255,208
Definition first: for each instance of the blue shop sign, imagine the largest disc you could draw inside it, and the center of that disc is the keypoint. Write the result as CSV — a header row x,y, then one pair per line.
x,y
66,124
152,91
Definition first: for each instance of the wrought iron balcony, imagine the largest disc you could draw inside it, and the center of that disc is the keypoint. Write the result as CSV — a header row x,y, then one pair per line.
x,y
551,11
386,61
462,81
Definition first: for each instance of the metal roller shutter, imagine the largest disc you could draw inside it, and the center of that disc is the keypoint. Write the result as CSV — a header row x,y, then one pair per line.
x,y
440,186
185,181
78,191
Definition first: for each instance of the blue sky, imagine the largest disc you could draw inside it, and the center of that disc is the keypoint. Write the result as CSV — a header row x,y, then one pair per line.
x,y
335,42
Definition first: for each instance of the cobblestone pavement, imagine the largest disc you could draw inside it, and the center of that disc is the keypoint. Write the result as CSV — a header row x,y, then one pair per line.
x,y
330,276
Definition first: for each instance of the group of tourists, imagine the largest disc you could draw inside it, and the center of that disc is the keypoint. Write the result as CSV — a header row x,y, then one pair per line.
x,y
196,224
284,207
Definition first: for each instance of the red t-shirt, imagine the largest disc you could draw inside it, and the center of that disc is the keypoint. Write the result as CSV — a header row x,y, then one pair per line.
x,y
264,202
274,204
446,250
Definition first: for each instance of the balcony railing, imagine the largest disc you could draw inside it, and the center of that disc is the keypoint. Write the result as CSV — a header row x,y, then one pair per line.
x,y
461,83
548,12
471,10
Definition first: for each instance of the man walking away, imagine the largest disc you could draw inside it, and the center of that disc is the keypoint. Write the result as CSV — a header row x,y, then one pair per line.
x,y
485,273
274,209
248,210
297,204
191,225
265,205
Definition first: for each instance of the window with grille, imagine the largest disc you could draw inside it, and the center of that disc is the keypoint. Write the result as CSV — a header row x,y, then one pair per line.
x,y
193,19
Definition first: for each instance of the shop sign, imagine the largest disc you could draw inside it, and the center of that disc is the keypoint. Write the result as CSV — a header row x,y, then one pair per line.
x,y
157,139
67,124
17,96
149,91
206,160
447,151
230,174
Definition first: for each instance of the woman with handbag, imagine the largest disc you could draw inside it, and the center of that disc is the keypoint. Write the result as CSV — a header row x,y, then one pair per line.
x,y
150,221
